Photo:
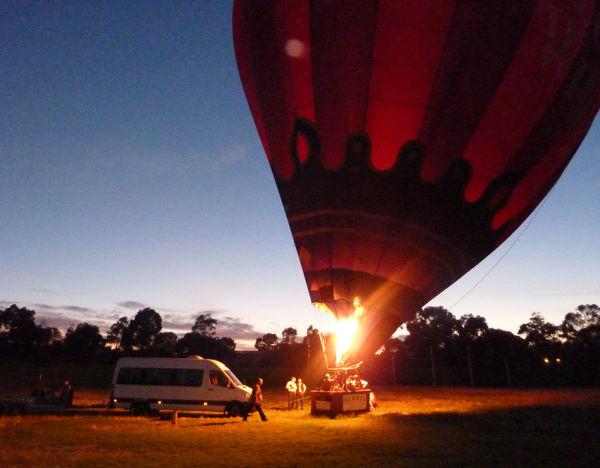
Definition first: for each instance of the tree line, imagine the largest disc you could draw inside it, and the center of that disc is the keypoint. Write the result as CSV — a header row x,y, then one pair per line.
x,y
22,337
440,349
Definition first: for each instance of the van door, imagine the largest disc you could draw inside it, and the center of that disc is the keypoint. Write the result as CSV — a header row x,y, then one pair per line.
x,y
220,389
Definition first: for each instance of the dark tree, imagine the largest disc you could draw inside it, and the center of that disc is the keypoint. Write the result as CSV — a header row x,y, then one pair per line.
x,y
267,343
538,333
83,341
289,335
114,335
584,316
470,328
228,343
205,346
502,351
393,345
20,333
49,335
165,344
143,329
432,327
205,325
18,325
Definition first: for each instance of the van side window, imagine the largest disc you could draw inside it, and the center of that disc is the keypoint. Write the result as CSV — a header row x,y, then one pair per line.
x,y
189,377
218,378
130,376
160,376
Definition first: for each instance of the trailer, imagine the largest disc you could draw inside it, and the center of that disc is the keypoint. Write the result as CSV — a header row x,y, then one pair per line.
x,y
14,406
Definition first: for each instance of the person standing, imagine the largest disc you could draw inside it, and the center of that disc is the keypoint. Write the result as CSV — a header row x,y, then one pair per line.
x,y
291,388
300,392
66,393
256,400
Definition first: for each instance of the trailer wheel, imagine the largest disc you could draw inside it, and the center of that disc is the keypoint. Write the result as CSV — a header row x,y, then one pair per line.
x,y
234,409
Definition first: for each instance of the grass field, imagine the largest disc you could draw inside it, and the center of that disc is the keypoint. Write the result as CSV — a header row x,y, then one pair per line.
x,y
412,426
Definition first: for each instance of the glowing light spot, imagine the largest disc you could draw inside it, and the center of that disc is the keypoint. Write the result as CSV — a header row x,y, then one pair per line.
x,y
345,331
295,48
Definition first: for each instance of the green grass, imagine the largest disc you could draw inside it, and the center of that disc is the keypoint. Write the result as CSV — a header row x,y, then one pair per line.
x,y
412,426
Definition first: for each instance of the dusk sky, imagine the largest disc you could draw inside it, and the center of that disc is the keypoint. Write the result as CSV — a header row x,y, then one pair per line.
x,y
132,175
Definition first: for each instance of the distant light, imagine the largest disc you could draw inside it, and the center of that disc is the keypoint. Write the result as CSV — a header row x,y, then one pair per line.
x,y
294,48
159,402
205,403
546,360
558,361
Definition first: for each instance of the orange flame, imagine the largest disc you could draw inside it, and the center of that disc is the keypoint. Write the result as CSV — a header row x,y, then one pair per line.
x,y
345,329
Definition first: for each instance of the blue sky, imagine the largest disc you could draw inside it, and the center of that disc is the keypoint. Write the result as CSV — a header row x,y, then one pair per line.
x,y
132,175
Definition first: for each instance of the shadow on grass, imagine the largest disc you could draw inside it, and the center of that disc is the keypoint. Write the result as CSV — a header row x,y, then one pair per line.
x,y
534,435
531,414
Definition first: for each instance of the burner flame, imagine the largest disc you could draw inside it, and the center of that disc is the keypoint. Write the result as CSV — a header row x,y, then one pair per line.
x,y
345,330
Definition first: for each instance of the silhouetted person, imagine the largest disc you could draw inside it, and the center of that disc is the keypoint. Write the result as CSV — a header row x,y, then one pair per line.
x,y
327,382
300,392
66,393
256,400
291,388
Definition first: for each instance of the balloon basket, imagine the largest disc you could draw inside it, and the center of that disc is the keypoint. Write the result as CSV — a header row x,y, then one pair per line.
x,y
332,404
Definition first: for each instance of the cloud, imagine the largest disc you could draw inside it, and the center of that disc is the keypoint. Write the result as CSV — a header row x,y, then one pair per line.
x,y
133,305
211,312
227,326
233,327
74,308
60,321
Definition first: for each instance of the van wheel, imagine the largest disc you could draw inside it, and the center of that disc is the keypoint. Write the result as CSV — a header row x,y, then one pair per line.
x,y
140,409
234,410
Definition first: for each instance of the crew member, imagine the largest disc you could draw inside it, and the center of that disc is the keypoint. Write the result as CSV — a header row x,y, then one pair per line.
x,y
291,388
256,400
66,393
300,392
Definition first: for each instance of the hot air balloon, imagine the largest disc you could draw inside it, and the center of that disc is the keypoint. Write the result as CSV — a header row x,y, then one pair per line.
x,y
408,139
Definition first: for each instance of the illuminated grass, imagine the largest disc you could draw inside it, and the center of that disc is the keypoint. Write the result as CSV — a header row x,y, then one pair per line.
x,y
412,426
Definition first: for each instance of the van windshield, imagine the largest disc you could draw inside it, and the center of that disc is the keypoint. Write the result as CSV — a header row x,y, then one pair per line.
x,y
232,376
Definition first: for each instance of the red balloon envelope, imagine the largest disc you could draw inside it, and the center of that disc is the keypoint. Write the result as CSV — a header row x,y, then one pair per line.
x,y
409,138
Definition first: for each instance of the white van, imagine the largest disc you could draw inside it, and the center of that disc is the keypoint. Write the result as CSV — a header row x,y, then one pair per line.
x,y
193,383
